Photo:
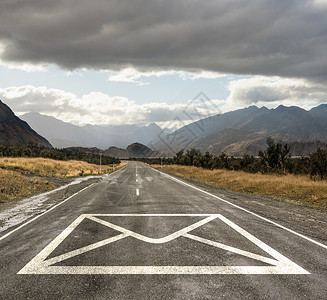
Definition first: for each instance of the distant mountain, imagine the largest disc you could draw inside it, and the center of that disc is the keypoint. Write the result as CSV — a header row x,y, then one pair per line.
x,y
90,151
116,152
59,133
320,112
132,151
62,134
246,130
236,133
14,131
234,142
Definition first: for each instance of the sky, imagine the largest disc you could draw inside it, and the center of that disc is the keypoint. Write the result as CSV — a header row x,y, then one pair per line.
x,y
112,62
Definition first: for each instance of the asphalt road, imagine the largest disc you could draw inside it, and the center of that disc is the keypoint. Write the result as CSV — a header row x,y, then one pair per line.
x,y
141,234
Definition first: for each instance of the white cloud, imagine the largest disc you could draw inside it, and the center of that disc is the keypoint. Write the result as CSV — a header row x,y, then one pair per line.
x,y
127,75
201,75
289,91
320,3
100,108
131,75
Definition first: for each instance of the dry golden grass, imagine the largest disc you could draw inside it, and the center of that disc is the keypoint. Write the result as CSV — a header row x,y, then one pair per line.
x,y
54,168
14,185
297,188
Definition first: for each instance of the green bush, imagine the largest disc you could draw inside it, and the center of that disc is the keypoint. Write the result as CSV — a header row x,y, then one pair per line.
x,y
58,154
318,164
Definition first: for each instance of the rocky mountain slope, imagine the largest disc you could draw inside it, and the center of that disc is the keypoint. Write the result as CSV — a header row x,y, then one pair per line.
x,y
14,131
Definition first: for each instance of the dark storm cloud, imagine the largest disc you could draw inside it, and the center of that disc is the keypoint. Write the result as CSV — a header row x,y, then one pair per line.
x,y
285,38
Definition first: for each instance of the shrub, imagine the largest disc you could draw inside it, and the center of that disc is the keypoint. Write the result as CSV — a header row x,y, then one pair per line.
x,y
318,164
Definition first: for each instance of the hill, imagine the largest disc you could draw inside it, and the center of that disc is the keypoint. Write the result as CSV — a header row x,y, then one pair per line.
x,y
134,150
14,131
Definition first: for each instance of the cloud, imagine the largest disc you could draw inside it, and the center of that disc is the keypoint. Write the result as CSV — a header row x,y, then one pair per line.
x,y
263,90
102,109
260,37
131,75
28,67
201,75
320,3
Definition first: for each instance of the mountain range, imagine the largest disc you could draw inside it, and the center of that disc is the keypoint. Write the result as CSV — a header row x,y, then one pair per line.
x,y
236,133
62,134
14,131
246,130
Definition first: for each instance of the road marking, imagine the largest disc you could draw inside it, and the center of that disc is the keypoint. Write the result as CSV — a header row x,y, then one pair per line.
x,y
38,216
165,239
232,249
137,192
41,265
82,250
244,209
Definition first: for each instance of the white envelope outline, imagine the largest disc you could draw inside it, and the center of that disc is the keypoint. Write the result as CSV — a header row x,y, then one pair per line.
x,y
41,265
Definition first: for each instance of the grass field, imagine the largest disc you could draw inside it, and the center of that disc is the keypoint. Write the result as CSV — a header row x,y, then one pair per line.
x,y
299,189
20,177
15,185
53,168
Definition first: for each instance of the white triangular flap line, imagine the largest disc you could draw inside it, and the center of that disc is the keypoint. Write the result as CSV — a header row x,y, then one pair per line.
x,y
162,240
283,261
183,232
126,233
84,249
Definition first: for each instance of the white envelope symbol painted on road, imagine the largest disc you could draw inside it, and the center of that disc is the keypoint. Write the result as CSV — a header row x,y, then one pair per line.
x,y
41,264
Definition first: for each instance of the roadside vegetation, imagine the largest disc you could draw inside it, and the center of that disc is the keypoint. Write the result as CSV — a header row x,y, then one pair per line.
x,y
274,160
57,154
296,188
54,168
15,185
272,173
21,177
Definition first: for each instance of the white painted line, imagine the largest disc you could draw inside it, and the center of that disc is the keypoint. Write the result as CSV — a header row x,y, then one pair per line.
x,y
151,215
38,216
165,239
244,209
137,192
136,180
41,265
82,250
232,249
154,270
